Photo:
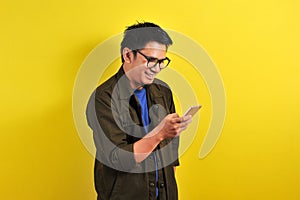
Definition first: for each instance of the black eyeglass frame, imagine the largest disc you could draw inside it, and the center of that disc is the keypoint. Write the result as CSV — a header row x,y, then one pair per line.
x,y
156,60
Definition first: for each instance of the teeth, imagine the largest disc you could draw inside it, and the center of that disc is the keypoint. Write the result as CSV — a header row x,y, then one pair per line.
x,y
149,74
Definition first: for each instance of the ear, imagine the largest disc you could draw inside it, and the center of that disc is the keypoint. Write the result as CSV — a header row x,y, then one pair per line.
x,y
127,55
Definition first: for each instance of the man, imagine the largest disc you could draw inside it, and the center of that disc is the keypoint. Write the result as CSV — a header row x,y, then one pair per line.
x,y
134,123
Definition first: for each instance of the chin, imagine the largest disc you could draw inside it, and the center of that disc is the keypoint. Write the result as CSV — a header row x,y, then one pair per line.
x,y
148,82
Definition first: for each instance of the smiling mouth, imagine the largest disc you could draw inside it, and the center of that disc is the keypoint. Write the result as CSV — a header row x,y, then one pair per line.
x,y
150,75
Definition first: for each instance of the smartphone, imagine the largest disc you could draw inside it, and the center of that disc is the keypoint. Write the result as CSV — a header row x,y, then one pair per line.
x,y
192,110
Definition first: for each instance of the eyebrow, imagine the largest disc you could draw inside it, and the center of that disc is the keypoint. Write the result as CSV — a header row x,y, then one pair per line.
x,y
150,57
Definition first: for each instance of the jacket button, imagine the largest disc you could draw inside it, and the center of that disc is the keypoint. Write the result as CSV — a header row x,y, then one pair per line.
x,y
162,185
152,184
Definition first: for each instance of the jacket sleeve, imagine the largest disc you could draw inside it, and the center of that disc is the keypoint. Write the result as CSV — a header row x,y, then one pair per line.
x,y
174,141
110,140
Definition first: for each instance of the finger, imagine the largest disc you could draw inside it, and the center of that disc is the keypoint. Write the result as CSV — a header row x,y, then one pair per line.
x,y
183,129
176,120
178,132
186,118
175,127
174,115
185,123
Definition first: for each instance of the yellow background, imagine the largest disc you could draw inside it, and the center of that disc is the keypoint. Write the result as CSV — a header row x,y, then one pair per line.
x,y
255,45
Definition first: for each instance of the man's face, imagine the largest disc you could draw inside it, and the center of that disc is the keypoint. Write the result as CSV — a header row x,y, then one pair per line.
x,y
139,74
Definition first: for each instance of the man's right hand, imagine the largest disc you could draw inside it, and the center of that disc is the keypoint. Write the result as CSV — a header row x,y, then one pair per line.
x,y
172,125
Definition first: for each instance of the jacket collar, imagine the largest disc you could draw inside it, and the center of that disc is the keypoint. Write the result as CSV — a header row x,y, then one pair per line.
x,y
123,84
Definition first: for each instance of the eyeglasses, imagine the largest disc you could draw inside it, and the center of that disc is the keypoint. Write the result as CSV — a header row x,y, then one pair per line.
x,y
152,62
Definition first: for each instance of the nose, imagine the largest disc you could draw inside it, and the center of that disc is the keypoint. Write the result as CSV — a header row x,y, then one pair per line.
x,y
155,69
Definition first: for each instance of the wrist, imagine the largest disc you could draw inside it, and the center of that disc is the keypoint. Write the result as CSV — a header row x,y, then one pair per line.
x,y
156,135
159,135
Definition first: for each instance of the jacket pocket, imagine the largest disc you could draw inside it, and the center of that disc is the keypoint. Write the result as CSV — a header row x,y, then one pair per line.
x,y
130,186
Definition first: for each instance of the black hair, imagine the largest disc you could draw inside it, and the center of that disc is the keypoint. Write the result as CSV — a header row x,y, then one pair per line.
x,y
138,35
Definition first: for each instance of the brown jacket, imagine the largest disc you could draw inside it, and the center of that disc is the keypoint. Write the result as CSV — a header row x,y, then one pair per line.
x,y
114,115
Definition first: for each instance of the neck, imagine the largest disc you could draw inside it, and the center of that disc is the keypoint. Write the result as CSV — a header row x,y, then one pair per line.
x,y
134,85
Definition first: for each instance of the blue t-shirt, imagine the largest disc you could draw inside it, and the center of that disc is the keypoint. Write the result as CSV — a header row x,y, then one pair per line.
x,y
142,97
